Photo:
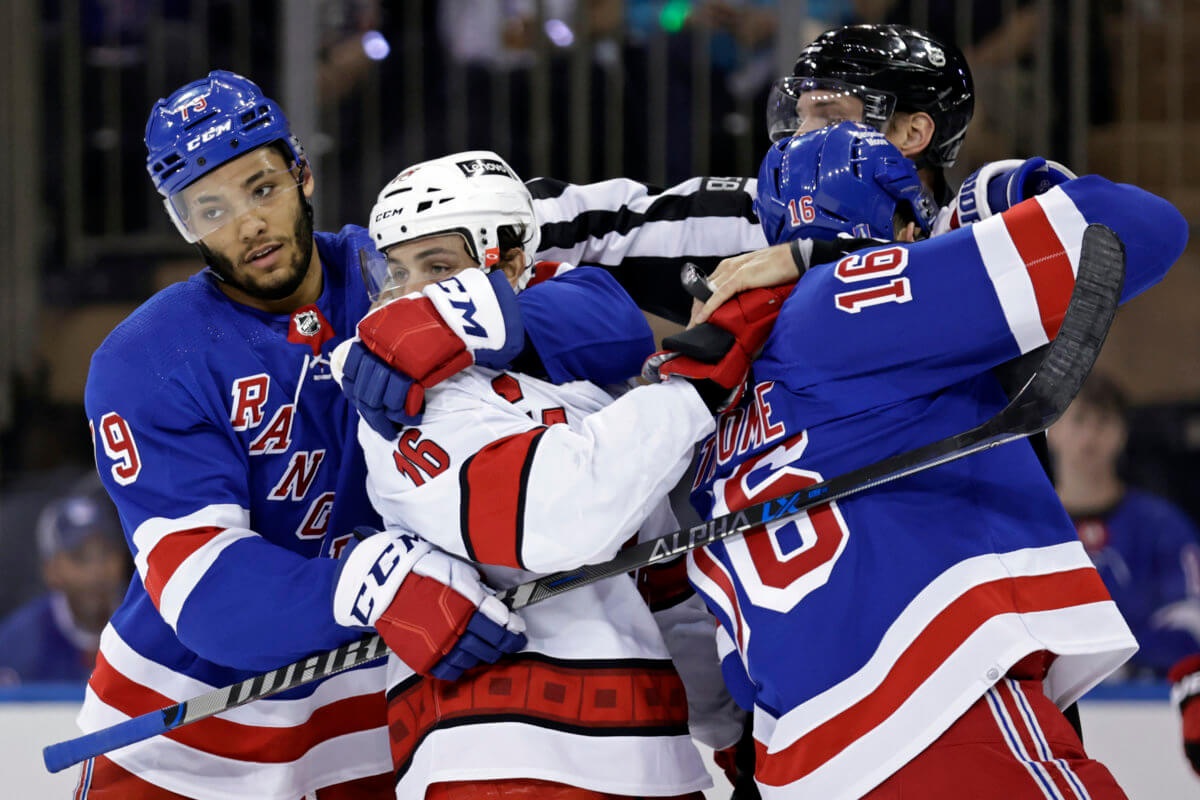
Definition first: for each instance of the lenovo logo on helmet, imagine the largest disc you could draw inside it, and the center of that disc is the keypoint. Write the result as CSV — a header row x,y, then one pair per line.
x,y
484,166
210,134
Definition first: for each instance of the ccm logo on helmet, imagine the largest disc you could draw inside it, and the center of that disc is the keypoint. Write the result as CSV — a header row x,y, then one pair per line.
x,y
391,212
210,134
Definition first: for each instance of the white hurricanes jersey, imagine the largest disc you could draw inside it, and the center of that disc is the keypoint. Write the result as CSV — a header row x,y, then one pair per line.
x,y
524,477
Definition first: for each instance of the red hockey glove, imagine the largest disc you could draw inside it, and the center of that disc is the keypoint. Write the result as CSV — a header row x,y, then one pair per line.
x,y
430,608
471,318
716,355
725,759
1185,690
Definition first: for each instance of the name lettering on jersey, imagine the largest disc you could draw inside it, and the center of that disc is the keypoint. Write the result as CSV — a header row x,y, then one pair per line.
x,y
120,447
299,476
419,459
338,545
249,396
277,436
697,535
739,432
316,521
460,299
509,388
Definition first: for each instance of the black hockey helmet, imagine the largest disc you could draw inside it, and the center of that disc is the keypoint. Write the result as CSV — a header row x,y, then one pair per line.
x,y
893,68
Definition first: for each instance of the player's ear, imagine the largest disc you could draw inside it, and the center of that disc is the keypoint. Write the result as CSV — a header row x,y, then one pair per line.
x,y
911,133
512,264
307,184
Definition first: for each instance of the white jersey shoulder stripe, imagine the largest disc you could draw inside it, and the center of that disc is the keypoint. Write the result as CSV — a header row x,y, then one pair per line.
x,y
1011,281
149,533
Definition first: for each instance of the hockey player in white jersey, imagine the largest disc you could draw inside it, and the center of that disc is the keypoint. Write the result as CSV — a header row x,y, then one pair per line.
x,y
520,476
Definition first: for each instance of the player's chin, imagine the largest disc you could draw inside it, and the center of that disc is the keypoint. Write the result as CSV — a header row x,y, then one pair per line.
x,y
276,285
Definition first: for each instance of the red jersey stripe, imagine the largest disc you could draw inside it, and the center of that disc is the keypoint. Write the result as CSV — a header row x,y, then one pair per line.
x,y
577,696
1046,260
493,499
252,743
171,551
944,634
707,565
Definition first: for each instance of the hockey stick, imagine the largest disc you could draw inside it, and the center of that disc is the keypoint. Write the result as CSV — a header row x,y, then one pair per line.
x,y
1040,402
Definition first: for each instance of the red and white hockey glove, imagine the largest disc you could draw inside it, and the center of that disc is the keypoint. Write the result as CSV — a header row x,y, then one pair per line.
x,y
471,318
1185,693
716,355
431,609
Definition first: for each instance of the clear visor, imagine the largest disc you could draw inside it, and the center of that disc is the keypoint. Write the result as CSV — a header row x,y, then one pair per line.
x,y
209,204
799,105
388,278
383,283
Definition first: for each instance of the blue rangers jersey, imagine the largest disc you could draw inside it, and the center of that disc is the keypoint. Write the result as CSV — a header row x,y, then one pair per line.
x,y
1147,551
230,454
860,631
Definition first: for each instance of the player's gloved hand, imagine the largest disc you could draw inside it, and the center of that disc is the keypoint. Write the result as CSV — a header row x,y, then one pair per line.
x,y
471,318
1185,693
726,760
716,355
431,609
999,185
377,391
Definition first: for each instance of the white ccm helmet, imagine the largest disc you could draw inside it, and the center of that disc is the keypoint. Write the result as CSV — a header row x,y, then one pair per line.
x,y
474,194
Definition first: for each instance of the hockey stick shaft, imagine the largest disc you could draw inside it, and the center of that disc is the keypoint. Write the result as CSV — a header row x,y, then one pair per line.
x,y
1066,363
1043,399
63,754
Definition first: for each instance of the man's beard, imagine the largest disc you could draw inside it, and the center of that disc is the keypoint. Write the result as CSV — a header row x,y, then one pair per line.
x,y
302,233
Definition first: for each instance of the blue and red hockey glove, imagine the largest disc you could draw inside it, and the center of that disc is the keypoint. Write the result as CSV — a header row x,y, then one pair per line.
x,y
378,392
999,185
1185,693
471,318
431,609
715,356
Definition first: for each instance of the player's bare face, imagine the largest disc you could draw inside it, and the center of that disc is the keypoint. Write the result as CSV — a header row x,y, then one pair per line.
x,y
414,265
822,108
260,234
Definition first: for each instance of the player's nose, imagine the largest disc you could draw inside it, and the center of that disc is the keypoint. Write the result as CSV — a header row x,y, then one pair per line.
x,y
251,225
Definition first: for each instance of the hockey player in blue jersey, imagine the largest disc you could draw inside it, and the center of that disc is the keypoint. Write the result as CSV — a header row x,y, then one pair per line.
x,y
1145,547
230,455
918,639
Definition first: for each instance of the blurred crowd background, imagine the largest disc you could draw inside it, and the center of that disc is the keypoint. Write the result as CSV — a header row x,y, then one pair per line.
x,y
582,90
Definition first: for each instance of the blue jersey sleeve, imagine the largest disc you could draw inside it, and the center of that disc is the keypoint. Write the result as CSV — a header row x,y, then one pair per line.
x,y
584,326
899,321
180,482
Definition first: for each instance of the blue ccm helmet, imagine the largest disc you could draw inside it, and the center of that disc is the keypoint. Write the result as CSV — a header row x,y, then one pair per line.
x,y
842,179
205,124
